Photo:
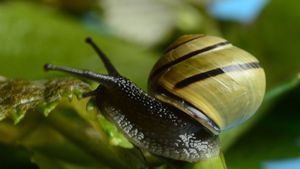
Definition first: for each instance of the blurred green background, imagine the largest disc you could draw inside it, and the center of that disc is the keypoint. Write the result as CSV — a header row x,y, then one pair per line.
x,y
134,33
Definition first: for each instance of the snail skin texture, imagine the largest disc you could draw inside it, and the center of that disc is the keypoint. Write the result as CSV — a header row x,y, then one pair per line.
x,y
201,86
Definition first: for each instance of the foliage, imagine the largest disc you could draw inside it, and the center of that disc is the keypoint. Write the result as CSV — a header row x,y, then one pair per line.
x,y
75,135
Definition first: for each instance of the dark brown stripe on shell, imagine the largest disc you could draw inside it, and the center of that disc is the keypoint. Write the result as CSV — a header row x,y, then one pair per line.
x,y
215,72
191,108
184,42
187,56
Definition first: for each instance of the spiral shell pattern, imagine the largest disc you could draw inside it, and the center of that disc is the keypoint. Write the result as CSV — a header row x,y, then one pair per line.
x,y
218,84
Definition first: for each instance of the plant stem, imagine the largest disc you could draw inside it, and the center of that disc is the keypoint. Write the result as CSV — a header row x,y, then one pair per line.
x,y
99,148
217,162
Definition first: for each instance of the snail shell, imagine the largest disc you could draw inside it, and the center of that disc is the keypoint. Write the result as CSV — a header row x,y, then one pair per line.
x,y
218,84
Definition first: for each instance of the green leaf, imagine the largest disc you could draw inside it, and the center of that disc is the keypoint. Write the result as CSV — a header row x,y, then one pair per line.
x,y
64,139
49,35
217,162
115,137
15,157
274,43
20,96
275,135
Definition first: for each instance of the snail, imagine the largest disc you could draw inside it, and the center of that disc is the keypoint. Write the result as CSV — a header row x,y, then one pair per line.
x,y
202,86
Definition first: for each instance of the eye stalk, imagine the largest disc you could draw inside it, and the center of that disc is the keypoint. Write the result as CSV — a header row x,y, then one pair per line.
x,y
103,79
106,80
108,65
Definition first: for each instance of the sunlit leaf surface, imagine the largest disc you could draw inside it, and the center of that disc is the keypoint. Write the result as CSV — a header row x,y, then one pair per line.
x,y
20,96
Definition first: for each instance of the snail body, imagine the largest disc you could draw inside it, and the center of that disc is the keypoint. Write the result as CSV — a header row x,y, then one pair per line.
x,y
154,126
166,122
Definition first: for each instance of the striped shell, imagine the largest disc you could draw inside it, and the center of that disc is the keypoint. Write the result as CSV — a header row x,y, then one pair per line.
x,y
216,83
